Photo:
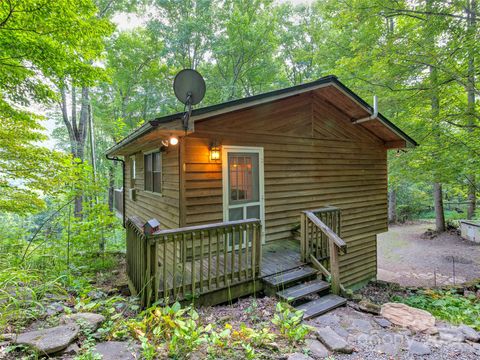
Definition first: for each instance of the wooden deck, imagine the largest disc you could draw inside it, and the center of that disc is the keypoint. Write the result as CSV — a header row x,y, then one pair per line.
x,y
277,256
280,256
215,263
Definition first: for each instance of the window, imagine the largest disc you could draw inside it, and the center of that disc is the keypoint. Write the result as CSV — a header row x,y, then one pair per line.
x,y
153,172
243,178
133,170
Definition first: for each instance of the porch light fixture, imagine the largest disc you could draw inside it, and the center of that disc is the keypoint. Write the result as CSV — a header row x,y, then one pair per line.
x,y
214,151
173,140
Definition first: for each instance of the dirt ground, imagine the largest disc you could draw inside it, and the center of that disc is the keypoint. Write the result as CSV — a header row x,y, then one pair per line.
x,y
407,257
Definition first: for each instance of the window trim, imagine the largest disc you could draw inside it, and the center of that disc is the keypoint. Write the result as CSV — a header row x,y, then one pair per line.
x,y
133,170
145,155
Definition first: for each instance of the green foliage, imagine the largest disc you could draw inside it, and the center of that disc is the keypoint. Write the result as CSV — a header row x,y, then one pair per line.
x,y
40,43
21,294
448,305
289,322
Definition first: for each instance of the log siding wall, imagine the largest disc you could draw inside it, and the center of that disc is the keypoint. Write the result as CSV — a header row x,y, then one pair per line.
x,y
165,206
313,157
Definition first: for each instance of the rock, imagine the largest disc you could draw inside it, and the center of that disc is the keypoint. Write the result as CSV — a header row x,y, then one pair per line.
x,y
388,348
340,331
362,325
316,349
409,317
327,320
451,335
333,341
469,333
356,297
91,321
48,341
298,356
369,307
72,349
382,322
7,337
116,350
96,294
418,348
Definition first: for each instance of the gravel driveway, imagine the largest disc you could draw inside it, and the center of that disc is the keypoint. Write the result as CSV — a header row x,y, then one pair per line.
x,y
407,257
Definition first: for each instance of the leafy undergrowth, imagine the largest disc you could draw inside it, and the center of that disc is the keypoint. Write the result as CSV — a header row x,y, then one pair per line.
x,y
447,305
255,329
28,294
176,332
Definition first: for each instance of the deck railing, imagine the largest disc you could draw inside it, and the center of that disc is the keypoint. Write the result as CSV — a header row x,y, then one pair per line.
x,y
118,201
185,263
321,243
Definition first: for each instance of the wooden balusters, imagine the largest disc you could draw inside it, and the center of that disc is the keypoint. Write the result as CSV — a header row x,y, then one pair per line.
x,y
321,242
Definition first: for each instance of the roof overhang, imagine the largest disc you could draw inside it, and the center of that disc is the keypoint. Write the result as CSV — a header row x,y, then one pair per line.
x,y
171,125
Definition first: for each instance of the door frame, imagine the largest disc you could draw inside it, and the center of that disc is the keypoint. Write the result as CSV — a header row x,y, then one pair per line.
x,y
244,149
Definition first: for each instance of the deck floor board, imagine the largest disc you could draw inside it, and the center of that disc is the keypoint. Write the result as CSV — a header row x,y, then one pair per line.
x,y
277,256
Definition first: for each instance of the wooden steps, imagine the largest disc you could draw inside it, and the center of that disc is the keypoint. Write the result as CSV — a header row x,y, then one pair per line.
x,y
290,277
300,291
321,306
295,286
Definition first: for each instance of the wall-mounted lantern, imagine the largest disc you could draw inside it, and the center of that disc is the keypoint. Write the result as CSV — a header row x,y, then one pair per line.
x,y
214,151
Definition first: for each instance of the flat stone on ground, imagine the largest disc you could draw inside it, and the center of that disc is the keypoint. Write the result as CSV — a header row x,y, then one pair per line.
x,y
116,350
388,348
316,349
49,341
298,356
362,325
469,333
369,307
451,334
418,348
91,320
327,320
333,341
409,317
382,322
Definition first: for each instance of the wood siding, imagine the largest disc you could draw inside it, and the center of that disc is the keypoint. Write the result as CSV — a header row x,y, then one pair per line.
x,y
313,157
165,206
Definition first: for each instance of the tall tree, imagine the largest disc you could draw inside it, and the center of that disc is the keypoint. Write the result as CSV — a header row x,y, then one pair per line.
x,y
70,34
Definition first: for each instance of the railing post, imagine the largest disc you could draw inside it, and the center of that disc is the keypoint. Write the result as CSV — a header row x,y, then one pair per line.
x,y
334,268
303,238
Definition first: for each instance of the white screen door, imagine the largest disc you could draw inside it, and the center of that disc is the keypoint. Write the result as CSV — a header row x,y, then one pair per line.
x,y
243,195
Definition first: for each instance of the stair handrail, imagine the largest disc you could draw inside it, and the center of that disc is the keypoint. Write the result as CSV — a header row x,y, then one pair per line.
x,y
337,246
339,242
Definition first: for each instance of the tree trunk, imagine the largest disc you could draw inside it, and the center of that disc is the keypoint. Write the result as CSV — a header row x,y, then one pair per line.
x,y
438,203
392,206
77,131
472,28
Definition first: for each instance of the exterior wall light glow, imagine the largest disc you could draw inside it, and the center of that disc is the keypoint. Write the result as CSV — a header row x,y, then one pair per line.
x,y
173,140
214,151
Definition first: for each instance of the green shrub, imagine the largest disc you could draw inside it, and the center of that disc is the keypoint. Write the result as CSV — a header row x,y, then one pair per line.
x,y
448,305
289,323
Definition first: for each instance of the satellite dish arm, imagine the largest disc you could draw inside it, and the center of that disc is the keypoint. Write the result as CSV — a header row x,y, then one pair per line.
x,y
188,111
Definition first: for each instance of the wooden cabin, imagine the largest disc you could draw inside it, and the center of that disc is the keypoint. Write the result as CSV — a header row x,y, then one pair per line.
x,y
256,190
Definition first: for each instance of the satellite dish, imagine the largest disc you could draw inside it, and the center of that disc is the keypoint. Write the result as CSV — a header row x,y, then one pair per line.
x,y
189,88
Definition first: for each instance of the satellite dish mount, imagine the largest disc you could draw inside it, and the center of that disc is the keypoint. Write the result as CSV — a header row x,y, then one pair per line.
x,y
189,88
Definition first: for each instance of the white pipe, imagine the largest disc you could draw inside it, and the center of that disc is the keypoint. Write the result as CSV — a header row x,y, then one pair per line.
x,y
374,114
